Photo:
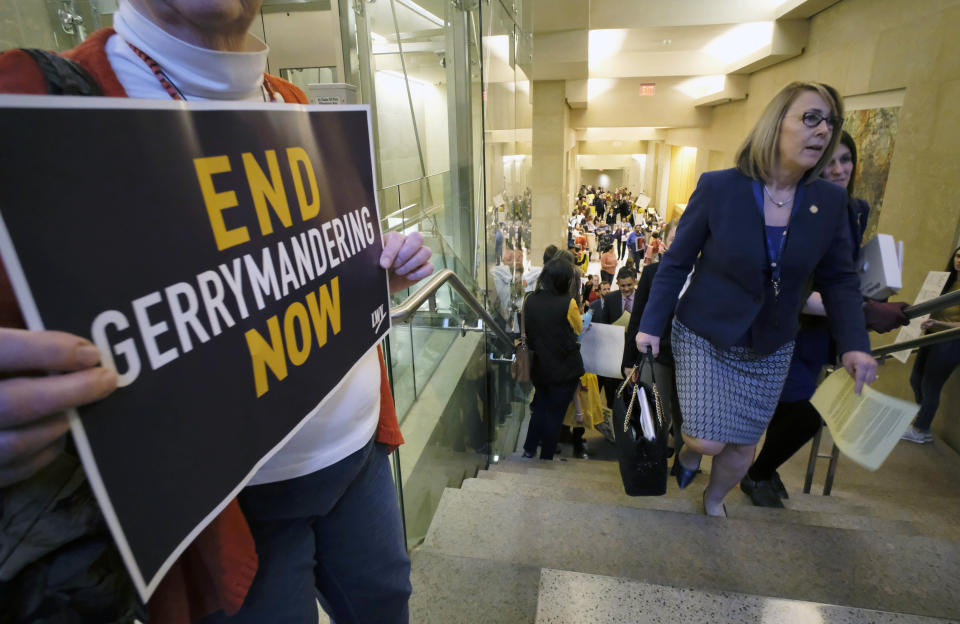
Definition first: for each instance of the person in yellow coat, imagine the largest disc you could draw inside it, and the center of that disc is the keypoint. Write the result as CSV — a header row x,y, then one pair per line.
x,y
586,409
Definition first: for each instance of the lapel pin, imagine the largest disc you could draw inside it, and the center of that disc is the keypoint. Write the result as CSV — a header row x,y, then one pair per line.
x,y
814,209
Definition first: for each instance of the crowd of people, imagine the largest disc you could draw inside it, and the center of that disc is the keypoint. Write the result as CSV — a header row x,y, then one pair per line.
x,y
614,227
742,302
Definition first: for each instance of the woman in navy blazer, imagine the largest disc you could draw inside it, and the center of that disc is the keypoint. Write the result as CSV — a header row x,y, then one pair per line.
x,y
756,236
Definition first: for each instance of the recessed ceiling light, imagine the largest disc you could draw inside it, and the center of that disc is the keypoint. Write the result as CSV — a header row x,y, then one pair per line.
x,y
740,41
604,44
702,86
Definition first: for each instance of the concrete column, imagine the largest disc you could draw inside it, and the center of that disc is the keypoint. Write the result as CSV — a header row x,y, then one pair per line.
x,y
549,211
663,178
650,171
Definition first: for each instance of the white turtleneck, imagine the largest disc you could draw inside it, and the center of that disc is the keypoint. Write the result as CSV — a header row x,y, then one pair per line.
x,y
199,73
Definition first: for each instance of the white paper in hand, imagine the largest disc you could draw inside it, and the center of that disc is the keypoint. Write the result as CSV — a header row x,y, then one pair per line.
x,y
646,415
866,427
601,348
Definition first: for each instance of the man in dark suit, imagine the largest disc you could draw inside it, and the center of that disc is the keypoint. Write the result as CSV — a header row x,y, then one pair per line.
x,y
598,305
620,301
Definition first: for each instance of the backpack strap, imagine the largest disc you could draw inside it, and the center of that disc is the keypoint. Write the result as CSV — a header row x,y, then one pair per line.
x,y
63,76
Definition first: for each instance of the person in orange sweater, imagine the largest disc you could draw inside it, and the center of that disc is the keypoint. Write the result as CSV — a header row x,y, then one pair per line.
x,y
321,512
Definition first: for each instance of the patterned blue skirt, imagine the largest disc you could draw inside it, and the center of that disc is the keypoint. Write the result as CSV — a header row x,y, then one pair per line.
x,y
726,395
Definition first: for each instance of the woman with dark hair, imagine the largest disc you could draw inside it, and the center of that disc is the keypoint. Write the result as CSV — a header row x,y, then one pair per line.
x,y
552,323
795,420
756,235
935,364
586,291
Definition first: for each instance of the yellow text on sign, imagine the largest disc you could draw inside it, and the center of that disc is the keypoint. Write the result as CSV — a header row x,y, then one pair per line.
x,y
266,189
292,341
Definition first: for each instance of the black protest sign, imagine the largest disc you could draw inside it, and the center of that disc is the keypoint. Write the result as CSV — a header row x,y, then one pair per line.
x,y
224,259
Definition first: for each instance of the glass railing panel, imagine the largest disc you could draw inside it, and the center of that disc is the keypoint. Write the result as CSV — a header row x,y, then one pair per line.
x,y
391,216
446,433
410,88
402,367
509,402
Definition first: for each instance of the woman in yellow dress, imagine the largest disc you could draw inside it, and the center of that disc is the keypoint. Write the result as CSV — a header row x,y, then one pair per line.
x,y
586,410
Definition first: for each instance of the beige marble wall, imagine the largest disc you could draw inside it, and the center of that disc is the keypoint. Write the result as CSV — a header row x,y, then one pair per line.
x,y
865,46
550,129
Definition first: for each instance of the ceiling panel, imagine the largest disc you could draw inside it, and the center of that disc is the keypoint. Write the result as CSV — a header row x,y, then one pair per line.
x,y
667,39
656,13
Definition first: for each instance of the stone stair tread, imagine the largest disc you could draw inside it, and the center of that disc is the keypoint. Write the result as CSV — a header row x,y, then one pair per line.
x,y
896,573
603,599
743,511
564,463
449,589
797,501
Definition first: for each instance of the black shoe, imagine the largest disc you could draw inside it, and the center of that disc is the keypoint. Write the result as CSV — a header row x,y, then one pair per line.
x,y
760,492
684,475
527,455
778,486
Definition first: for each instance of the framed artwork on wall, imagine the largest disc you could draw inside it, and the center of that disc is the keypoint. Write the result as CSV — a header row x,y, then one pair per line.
x,y
874,130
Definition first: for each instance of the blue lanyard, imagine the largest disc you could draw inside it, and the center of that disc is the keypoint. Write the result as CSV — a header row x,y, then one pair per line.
x,y
775,254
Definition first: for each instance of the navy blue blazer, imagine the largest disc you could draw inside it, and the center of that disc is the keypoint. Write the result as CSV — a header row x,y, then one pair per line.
x,y
721,235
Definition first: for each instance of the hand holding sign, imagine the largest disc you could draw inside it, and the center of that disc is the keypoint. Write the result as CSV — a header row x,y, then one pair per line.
x,y
32,422
406,259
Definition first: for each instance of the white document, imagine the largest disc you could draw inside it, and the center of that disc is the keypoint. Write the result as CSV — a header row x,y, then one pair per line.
x,y
601,348
865,427
932,287
647,427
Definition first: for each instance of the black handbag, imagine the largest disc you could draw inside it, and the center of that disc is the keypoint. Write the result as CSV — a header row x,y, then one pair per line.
x,y
643,462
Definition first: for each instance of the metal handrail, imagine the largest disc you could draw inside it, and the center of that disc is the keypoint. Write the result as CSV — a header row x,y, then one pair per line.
x,y
931,305
406,310
923,341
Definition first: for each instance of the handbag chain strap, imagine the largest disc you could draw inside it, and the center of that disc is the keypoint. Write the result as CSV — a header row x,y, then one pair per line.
x,y
633,398
626,417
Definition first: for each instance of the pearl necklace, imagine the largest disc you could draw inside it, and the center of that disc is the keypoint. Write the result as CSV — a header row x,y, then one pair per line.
x,y
779,204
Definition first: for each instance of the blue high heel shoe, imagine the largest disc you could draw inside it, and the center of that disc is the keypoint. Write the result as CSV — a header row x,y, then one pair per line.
x,y
684,475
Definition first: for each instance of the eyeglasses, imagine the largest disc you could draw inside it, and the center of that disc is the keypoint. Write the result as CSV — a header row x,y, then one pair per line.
x,y
812,119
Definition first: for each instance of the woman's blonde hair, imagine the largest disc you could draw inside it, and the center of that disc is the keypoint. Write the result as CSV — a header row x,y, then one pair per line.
x,y
758,154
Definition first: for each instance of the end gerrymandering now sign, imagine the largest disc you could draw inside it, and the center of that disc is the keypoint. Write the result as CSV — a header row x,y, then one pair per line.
x,y
225,260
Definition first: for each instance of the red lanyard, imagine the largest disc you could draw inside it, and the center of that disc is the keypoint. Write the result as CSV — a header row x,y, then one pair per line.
x,y
174,92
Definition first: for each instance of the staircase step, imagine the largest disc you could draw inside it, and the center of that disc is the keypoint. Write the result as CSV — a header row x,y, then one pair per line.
x,y
904,574
448,589
582,466
741,511
520,487
602,599
797,501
